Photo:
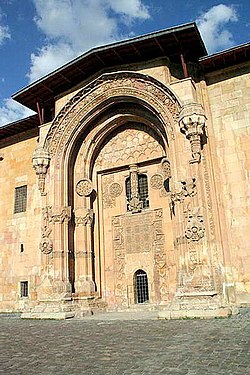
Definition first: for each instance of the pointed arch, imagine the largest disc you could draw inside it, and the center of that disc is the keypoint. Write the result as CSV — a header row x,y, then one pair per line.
x,y
110,88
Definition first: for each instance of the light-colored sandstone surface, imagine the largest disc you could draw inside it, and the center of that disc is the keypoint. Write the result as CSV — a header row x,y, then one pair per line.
x,y
84,241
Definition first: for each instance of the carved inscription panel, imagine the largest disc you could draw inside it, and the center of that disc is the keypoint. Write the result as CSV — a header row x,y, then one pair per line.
x,y
137,233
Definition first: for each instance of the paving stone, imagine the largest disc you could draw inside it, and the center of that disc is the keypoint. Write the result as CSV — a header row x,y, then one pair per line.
x,y
125,347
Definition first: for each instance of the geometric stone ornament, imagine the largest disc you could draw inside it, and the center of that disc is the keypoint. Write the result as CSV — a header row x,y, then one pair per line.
x,y
84,187
115,189
157,181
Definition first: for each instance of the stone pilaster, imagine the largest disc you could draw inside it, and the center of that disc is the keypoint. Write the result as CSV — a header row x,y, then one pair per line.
x,y
84,284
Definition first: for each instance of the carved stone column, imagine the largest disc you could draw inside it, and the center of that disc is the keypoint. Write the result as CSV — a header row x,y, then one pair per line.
x,y
40,163
134,204
84,284
192,123
55,284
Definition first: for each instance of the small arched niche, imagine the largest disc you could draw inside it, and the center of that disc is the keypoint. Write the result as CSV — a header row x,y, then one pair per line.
x,y
141,291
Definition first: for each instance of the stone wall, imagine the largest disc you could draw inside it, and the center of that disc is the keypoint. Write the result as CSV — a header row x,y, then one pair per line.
x,y
18,264
229,98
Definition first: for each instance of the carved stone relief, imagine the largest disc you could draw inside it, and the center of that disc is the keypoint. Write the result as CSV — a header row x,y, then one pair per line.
x,y
58,214
84,187
157,181
115,189
110,85
195,228
127,147
46,244
40,162
166,169
108,199
140,233
192,123
83,216
187,189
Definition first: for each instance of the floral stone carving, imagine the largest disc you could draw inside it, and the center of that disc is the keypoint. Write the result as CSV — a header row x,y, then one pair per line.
x,y
195,227
192,123
157,181
40,161
84,187
115,189
46,244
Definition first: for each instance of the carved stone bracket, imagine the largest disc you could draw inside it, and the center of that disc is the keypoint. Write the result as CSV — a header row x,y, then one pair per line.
x,y
84,216
40,162
192,123
195,228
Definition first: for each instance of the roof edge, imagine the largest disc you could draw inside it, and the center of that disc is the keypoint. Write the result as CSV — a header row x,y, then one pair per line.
x,y
110,45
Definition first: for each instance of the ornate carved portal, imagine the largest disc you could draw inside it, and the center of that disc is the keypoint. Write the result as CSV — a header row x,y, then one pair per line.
x,y
111,236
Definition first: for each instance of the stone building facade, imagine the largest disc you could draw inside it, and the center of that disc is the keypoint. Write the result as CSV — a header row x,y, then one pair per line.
x,y
130,187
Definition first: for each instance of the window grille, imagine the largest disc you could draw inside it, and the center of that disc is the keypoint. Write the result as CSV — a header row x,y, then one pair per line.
x,y
143,189
24,288
141,287
20,199
128,189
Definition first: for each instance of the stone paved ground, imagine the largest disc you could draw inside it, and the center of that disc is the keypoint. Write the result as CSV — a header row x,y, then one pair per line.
x,y
123,346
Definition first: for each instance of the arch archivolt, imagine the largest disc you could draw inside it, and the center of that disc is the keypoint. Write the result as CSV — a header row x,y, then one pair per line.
x,y
80,110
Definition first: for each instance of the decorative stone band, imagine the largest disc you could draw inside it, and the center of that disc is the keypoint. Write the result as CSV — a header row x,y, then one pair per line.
x,y
40,162
192,123
83,216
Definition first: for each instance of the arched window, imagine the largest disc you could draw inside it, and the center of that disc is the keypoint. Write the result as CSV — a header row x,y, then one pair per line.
x,y
141,287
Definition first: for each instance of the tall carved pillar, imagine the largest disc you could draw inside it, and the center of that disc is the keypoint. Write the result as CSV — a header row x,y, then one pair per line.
x,y
54,241
84,284
198,290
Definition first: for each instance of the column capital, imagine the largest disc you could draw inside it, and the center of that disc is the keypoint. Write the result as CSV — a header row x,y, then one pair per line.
x,y
192,121
40,162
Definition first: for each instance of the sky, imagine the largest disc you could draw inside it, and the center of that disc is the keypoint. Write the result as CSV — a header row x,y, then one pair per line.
x,y
38,36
